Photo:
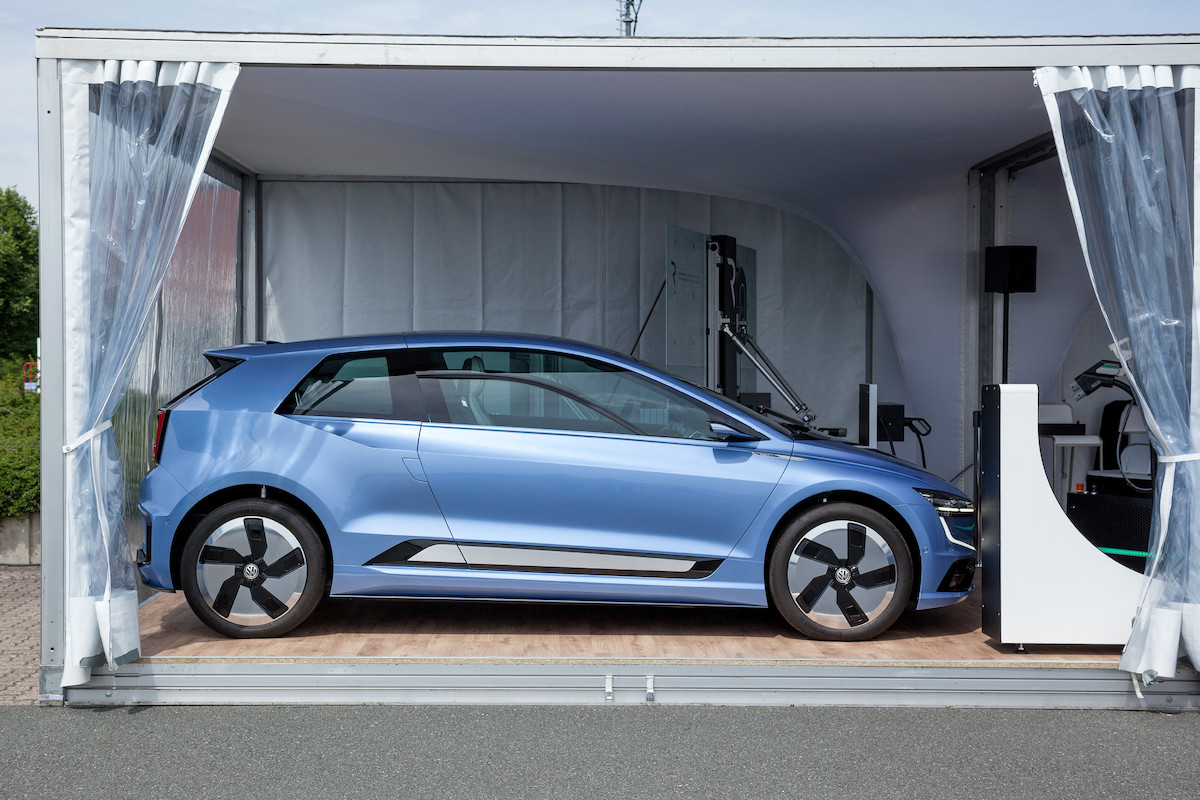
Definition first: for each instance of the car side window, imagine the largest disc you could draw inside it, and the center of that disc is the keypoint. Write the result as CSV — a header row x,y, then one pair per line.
x,y
511,402
656,410
357,385
535,389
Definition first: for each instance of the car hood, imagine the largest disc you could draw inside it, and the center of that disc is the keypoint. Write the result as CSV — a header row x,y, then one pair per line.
x,y
852,454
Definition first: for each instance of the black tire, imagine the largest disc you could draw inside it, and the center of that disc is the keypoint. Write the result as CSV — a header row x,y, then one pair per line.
x,y
840,572
253,568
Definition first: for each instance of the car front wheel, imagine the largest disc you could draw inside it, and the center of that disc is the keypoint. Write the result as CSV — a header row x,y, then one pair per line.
x,y
840,572
253,568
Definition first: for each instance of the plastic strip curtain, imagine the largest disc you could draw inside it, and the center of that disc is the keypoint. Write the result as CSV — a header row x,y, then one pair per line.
x,y
1126,144
150,130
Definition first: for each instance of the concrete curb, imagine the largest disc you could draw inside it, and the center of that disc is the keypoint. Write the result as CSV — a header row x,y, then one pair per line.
x,y
21,540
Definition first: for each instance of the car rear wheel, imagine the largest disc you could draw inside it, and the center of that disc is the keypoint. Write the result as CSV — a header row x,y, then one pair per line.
x,y
840,572
253,568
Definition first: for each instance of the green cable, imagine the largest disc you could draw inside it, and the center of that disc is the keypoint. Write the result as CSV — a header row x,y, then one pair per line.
x,y
1112,551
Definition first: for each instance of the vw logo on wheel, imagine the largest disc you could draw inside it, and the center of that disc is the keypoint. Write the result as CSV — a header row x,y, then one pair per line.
x,y
842,575
250,571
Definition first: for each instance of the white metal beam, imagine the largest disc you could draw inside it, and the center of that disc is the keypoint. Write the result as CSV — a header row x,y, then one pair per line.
x,y
257,49
50,254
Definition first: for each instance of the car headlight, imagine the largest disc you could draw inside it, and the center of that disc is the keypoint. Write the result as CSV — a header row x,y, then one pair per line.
x,y
957,515
947,504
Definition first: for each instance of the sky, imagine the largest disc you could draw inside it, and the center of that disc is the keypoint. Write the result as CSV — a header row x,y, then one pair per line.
x,y
19,20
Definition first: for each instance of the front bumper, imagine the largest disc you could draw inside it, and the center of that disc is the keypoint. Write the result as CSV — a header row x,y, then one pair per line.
x,y
948,555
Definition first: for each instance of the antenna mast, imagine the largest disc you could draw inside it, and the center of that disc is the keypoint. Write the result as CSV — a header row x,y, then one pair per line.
x,y
627,16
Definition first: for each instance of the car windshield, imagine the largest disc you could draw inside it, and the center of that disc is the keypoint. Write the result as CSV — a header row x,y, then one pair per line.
x,y
781,424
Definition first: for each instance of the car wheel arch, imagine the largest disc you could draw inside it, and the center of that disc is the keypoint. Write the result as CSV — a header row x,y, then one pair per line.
x,y
858,498
229,494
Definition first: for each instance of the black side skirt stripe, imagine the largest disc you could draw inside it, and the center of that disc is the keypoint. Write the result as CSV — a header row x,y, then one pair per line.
x,y
508,558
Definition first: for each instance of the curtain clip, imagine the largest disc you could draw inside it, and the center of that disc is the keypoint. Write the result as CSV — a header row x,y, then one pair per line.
x,y
88,436
1179,458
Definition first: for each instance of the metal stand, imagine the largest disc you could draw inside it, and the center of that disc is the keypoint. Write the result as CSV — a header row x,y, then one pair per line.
x,y
732,329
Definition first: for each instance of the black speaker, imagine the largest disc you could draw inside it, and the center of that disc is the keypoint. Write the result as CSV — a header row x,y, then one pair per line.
x,y
1010,268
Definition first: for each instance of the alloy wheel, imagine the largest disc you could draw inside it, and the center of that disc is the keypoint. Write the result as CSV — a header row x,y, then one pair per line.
x,y
251,570
842,574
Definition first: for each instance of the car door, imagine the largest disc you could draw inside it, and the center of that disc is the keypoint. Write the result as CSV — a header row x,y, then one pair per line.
x,y
365,411
548,462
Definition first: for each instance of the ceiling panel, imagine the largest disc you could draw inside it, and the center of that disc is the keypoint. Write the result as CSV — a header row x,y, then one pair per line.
x,y
788,138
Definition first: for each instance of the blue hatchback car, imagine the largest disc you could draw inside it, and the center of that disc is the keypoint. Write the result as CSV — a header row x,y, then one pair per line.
x,y
525,468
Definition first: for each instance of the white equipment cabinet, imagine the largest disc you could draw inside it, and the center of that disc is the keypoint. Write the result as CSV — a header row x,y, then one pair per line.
x,y
1043,581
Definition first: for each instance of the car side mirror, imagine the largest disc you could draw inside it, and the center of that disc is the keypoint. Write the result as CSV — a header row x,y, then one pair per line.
x,y
727,433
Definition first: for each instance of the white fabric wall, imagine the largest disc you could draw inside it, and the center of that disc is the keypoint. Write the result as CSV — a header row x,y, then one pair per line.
x,y
1041,216
911,247
580,261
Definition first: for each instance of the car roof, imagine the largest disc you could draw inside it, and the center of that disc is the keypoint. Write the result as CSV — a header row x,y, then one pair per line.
x,y
343,344
312,351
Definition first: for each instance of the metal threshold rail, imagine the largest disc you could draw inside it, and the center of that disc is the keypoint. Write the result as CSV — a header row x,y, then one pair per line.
x,y
625,682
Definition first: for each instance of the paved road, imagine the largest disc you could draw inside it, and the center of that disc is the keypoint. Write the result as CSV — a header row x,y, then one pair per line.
x,y
567,752
586,752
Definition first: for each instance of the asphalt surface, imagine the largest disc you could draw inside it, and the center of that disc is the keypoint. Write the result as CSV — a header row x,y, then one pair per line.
x,y
588,752
566,752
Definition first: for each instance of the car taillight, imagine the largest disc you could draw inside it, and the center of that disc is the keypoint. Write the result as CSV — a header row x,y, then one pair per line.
x,y
160,431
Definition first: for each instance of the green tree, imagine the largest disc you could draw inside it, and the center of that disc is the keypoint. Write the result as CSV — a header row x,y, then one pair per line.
x,y
18,276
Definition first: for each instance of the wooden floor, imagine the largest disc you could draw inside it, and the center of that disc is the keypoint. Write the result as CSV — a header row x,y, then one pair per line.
x,y
440,630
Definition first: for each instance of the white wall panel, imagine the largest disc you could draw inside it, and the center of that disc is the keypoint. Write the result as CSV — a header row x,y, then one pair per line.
x,y
522,257
378,280
824,322
583,249
621,230
447,256
304,252
1041,216
912,249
